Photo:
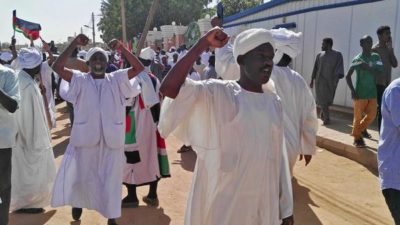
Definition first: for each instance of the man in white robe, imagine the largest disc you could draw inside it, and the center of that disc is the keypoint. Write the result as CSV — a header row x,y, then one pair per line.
x,y
300,119
299,108
241,174
33,166
90,175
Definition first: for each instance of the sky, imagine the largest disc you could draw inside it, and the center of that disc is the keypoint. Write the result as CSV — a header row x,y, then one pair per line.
x,y
58,18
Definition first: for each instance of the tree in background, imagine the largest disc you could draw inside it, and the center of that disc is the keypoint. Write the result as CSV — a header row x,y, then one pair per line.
x,y
234,6
181,11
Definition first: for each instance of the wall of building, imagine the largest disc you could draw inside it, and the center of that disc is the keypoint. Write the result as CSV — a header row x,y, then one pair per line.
x,y
346,25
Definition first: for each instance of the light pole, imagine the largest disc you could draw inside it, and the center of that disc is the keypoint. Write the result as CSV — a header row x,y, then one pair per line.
x,y
93,30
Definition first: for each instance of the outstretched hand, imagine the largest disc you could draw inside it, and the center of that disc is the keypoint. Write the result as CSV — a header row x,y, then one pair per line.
x,y
81,40
288,221
114,44
216,37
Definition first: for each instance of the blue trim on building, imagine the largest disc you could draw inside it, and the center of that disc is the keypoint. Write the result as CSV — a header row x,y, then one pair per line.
x,y
316,8
285,25
256,9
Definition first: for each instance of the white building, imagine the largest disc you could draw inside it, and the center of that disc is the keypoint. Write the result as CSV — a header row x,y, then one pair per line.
x,y
346,21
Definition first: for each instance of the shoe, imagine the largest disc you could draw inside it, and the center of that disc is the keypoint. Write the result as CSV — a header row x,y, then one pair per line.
x,y
365,134
112,222
151,201
30,210
359,143
327,122
76,213
127,203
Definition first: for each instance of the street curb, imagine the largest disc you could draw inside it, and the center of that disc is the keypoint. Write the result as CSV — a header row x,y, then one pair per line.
x,y
364,156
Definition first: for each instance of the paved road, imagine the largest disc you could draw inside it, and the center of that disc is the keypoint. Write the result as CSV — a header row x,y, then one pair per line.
x,y
331,190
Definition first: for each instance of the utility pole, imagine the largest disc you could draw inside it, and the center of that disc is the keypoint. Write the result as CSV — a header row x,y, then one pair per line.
x,y
123,21
146,28
94,28
81,30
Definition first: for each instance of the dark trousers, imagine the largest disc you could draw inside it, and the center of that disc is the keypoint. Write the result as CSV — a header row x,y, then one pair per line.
x,y
5,184
392,198
379,91
324,115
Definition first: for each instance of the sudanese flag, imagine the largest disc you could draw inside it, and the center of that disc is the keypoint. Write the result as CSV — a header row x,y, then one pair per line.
x,y
29,29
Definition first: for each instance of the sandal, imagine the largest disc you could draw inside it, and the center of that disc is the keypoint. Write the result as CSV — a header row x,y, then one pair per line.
x,y
151,201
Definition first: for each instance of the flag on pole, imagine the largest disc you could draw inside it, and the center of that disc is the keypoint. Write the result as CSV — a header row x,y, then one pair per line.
x,y
29,29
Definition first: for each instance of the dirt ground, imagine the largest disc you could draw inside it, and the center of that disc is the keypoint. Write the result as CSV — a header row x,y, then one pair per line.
x,y
332,190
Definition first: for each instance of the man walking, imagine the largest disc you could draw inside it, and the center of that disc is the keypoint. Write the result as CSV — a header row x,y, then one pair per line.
x,y
367,65
385,50
328,69
9,98
389,149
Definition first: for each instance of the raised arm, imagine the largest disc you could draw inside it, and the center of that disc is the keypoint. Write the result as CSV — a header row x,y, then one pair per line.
x,y
59,64
46,48
173,81
136,65
393,59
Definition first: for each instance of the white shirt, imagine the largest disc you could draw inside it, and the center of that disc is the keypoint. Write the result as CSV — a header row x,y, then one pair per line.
x,y
8,128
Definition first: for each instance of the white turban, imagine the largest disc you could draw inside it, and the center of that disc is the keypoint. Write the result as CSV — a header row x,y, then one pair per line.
x,y
29,58
250,39
6,56
147,54
94,50
286,42
82,54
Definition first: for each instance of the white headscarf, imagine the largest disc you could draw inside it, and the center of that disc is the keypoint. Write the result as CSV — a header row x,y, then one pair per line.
x,y
6,56
94,50
82,54
286,42
250,39
147,54
29,58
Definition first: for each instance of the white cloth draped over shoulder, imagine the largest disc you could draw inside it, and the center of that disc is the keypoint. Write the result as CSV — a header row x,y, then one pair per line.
x,y
241,174
299,113
33,166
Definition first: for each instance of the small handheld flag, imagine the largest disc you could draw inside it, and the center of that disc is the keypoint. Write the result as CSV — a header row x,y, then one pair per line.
x,y
29,29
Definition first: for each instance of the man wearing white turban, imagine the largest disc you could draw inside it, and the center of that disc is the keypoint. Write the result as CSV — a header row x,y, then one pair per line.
x,y
300,121
90,175
33,166
242,174
299,110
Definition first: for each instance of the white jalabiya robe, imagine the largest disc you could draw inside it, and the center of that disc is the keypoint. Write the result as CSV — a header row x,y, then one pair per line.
x,y
300,119
299,113
90,175
45,72
241,174
33,166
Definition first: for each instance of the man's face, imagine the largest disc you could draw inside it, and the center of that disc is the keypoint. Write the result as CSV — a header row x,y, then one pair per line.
x,y
164,60
98,63
366,44
385,36
258,63
175,57
325,46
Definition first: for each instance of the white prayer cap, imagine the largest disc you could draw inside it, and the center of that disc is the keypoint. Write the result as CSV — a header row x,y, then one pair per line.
x,y
147,54
94,50
29,58
82,54
164,56
172,49
286,42
6,56
250,39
